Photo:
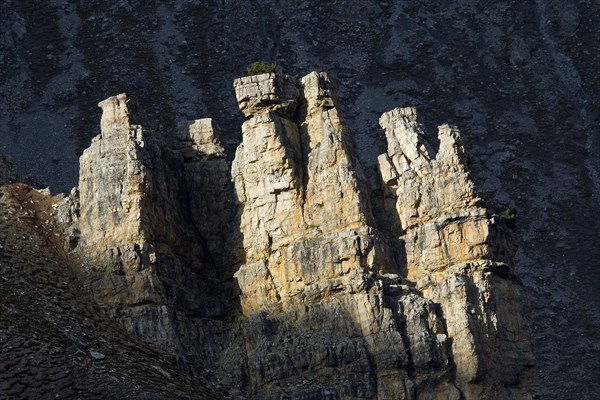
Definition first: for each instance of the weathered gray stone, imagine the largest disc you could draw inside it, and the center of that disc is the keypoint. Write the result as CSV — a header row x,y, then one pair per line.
x,y
207,180
97,356
276,92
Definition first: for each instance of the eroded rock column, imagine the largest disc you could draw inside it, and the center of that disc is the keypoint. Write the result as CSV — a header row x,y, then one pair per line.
x,y
267,174
316,308
301,191
459,256
113,180
141,255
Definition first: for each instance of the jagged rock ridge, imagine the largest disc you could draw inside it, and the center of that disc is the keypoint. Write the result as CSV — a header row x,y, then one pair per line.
x,y
294,290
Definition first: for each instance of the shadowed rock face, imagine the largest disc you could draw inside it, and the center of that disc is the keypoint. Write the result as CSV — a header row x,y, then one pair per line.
x,y
301,293
54,341
139,218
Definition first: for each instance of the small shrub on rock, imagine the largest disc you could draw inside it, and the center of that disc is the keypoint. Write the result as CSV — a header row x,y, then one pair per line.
x,y
509,215
260,67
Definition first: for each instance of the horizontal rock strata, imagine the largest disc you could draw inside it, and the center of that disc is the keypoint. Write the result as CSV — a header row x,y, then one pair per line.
x,y
459,256
137,222
274,277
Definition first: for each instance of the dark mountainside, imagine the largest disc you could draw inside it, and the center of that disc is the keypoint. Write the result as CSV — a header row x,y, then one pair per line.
x,y
519,80
53,342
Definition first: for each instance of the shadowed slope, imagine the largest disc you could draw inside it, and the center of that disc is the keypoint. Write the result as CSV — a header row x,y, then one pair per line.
x,y
52,342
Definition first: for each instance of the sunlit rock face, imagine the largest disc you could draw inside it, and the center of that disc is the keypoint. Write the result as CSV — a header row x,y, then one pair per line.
x,y
273,274
134,223
447,323
458,255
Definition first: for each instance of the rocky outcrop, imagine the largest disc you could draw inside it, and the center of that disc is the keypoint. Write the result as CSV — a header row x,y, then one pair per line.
x,y
134,223
306,220
459,256
312,253
276,278
313,307
126,229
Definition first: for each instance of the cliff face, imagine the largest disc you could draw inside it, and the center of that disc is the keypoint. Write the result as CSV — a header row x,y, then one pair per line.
x,y
519,79
457,253
137,223
276,278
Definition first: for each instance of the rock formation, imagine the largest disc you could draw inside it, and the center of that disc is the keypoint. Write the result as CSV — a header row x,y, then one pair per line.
x,y
459,256
311,250
281,283
127,233
519,79
134,224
